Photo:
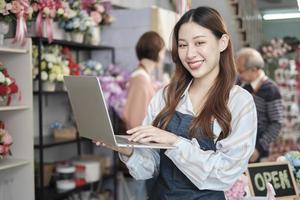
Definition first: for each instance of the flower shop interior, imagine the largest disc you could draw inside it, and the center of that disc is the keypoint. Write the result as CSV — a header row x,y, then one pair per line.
x,y
42,155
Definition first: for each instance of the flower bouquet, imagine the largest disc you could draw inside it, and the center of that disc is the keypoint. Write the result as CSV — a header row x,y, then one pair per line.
x,y
237,190
113,83
54,66
75,21
91,68
73,66
99,10
19,11
273,50
294,159
8,87
5,143
46,11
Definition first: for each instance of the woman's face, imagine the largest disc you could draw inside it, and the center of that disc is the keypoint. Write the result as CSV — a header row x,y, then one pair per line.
x,y
199,51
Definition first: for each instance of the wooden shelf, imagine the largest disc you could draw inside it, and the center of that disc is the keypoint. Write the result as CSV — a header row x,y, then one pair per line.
x,y
10,163
70,44
49,92
12,50
54,194
50,141
18,120
12,108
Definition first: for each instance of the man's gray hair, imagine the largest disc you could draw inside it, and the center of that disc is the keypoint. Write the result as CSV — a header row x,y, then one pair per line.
x,y
252,58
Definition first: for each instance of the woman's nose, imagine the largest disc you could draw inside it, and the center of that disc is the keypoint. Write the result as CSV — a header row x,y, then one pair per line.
x,y
191,52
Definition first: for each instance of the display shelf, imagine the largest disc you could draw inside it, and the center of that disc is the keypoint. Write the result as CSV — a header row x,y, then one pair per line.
x,y
50,141
18,121
50,93
12,50
12,108
71,44
10,163
42,142
51,193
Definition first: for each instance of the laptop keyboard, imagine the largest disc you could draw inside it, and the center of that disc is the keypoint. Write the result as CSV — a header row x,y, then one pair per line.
x,y
123,140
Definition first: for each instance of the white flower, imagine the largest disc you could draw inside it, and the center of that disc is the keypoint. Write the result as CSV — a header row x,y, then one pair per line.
x,y
2,77
50,65
98,66
2,6
44,75
87,71
60,77
8,6
60,11
50,57
46,11
8,81
66,70
52,77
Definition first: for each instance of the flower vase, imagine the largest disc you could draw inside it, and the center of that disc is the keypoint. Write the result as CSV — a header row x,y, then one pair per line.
x,y
35,85
4,28
68,36
60,86
48,86
94,36
77,37
4,100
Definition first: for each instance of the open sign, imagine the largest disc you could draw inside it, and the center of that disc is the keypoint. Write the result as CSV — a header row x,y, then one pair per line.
x,y
279,174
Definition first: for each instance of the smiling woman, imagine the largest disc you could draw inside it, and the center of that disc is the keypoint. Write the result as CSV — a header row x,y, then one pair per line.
x,y
210,121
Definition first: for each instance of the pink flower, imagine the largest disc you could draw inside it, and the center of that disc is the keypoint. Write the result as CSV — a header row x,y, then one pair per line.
x,y
16,7
100,8
7,139
96,17
1,149
237,190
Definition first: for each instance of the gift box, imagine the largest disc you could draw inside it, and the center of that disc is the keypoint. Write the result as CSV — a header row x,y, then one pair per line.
x,y
64,133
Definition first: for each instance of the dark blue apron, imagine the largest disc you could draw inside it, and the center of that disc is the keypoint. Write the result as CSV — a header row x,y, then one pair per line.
x,y
171,183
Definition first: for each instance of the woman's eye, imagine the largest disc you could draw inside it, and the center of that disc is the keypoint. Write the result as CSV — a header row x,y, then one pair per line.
x,y
199,43
182,45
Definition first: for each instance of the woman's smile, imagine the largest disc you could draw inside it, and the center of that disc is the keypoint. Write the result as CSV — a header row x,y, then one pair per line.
x,y
196,64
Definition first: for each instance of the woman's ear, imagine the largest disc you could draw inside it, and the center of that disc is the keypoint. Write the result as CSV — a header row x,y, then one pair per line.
x,y
223,42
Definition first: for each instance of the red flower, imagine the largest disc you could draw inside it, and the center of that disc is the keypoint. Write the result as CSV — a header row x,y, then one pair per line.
x,y
5,73
13,88
4,90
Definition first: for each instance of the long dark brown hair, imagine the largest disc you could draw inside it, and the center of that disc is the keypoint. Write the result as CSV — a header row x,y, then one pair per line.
x,y
218,95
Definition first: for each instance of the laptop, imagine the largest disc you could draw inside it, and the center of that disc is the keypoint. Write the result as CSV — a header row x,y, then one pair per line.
x,y
91,114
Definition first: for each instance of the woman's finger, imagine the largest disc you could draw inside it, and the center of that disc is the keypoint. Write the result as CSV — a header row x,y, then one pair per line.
x,y
139,134
138,128
147,139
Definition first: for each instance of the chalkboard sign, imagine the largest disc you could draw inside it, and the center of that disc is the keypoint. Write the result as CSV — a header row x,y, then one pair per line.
x,y
279,174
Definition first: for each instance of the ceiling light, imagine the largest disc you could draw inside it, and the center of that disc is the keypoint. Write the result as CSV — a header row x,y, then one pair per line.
x,y
277,16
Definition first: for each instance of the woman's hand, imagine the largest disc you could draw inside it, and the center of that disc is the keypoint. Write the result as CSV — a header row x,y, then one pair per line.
x,y
123,150
144,134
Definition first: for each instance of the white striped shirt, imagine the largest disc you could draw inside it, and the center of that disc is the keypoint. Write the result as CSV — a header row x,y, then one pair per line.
x,y
205,169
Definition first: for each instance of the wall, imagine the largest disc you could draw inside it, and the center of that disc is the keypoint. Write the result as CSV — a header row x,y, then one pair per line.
x,y
281,28
226,11
124,32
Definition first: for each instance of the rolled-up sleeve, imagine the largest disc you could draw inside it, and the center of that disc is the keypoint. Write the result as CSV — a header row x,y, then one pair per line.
x,y
218,170
144,163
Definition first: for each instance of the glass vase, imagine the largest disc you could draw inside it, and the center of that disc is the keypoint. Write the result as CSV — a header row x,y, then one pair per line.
x,y
4,28
48,86
4,100
77,37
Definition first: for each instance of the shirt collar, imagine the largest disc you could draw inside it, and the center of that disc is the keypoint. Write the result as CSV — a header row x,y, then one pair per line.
x,y
186,89
261,76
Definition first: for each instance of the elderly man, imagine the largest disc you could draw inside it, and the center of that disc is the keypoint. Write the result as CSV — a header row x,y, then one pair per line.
x,y
267,98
